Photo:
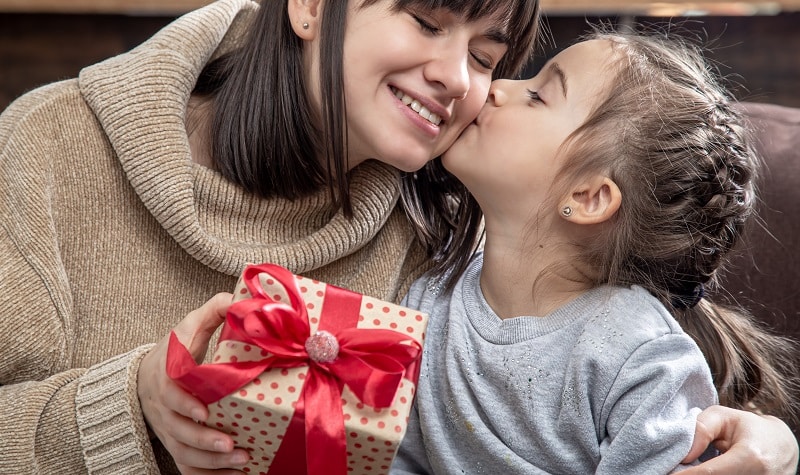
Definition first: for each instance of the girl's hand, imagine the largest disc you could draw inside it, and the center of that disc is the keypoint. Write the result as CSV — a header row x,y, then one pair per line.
x,y
173,414
750,444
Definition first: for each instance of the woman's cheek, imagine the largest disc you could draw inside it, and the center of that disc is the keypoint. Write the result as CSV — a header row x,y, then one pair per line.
x,y
465,111
475,100
470,106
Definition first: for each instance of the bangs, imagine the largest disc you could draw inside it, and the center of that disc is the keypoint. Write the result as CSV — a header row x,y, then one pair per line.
x,y
519,19
471,9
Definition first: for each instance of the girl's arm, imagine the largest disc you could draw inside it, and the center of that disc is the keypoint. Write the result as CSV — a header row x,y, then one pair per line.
x,y
751,443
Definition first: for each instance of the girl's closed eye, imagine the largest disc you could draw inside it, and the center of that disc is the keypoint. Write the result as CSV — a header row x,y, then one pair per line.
x,y
534,96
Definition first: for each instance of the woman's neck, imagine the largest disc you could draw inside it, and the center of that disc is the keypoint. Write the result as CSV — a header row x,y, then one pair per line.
x,y
529,277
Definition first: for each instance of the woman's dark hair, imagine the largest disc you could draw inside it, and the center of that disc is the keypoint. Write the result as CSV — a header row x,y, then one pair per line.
x,y
263,133
671,138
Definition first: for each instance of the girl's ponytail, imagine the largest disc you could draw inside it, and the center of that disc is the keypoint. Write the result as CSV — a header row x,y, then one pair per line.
x,y
751,366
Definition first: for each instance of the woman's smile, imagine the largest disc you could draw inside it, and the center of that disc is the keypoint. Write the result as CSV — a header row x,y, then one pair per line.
x,y
416,106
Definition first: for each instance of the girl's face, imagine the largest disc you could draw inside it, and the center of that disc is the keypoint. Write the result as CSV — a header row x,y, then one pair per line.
x,y
414,79
508,157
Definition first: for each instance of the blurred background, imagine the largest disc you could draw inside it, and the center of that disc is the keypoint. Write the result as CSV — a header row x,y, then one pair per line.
x,y
756,42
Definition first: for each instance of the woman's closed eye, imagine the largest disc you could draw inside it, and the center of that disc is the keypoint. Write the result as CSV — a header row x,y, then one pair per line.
x,y
430,25
483,60
426,25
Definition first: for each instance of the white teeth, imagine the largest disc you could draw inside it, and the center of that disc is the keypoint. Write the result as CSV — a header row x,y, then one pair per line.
x,y
425,113
417,107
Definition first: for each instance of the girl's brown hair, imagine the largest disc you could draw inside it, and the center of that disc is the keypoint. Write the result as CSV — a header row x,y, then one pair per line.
x,y
264,134
673,140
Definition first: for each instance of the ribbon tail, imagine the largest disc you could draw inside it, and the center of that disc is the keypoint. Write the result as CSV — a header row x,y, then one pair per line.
x,y
326,445
291,455
315,440
209,383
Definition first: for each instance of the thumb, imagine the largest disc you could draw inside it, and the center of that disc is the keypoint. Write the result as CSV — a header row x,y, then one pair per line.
x,y
712,425
196,329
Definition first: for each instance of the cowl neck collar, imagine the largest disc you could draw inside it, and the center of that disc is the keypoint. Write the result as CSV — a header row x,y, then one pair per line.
x,y
140,99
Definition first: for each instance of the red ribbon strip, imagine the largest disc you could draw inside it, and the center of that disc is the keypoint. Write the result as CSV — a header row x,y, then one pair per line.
x,y
372,362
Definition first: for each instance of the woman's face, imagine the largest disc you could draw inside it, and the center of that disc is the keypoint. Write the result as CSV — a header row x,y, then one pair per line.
x,y
414,79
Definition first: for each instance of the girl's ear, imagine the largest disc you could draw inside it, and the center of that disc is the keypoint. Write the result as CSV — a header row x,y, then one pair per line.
x,y
592,202
305,17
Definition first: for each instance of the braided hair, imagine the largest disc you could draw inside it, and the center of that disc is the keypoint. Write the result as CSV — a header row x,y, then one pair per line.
x,y
674,142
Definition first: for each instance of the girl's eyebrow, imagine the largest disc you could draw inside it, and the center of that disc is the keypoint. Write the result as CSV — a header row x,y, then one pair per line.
x,y
555,68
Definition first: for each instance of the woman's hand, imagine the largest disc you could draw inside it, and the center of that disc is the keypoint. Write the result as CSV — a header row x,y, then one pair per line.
x,y
173,414
750,444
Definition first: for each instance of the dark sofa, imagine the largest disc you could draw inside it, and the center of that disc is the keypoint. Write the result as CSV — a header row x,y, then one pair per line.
x,y
765,272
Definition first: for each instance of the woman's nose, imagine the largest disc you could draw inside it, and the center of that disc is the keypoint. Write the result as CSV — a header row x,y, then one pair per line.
x,y
451,70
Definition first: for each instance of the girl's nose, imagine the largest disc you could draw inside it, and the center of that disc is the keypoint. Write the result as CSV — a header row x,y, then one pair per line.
x,y
498,94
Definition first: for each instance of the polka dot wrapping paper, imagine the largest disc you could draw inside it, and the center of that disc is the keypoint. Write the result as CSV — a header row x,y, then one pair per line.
x,y
279,414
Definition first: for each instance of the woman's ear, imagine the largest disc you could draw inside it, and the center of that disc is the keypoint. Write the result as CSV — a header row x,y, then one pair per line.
x,y
304,16
594,201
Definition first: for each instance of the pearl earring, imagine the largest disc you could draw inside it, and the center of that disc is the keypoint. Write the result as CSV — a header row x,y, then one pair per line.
x,y
566,211
305,25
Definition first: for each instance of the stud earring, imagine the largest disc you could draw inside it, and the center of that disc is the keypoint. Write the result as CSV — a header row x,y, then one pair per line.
x,y
566,211
305,25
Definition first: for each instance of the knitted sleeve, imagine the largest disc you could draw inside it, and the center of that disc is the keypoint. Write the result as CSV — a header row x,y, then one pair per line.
x,y
53,418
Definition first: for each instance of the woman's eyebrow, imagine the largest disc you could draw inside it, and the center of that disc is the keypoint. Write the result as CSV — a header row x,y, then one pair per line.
x,y
562,78
497,35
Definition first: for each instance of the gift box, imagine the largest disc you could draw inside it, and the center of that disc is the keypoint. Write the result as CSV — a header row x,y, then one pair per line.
x,y
307,376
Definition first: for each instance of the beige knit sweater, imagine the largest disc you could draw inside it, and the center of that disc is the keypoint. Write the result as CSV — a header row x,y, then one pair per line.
x,y
110,235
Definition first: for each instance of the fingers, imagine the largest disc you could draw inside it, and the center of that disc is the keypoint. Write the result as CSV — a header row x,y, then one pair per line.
x,y
712,425
196,471
171,413
185,433
739,460
175,399
194,445
196,329
729,464
750,443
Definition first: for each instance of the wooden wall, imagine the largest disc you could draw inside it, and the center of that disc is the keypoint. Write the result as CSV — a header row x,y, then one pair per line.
x,y
36,49
762,52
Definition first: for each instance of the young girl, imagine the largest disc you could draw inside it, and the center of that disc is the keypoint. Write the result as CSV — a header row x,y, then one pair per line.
x,y
613,185
245,131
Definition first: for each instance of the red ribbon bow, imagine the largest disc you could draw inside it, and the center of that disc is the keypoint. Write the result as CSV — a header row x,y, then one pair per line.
x,y
372,362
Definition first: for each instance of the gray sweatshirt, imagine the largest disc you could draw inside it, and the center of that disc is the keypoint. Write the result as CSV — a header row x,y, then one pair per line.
x,y
608,383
